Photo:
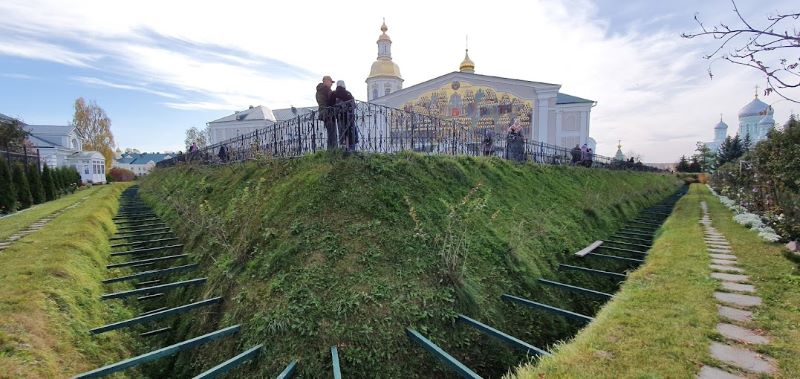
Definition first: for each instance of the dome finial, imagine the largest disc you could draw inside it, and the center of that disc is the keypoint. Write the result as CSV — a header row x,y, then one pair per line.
x,y
756,91
384,28
467,65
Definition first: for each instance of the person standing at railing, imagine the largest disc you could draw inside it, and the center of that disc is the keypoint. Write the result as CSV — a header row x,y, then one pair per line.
x,y
344,107
576,154
515,142
589,157
324,93
193,151
488,142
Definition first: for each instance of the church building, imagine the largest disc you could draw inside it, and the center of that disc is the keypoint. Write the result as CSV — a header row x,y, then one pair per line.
x,y
484,101
755,120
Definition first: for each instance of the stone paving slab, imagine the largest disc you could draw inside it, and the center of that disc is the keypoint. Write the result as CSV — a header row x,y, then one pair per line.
x,y
724,262
738,287
730,277
737,299
722,256
724,268
743,358
708,372
718,245
743,335
719,251
734,314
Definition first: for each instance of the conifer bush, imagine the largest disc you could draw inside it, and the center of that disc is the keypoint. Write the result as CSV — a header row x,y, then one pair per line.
x,y
35,181
8,199
23,189
48,184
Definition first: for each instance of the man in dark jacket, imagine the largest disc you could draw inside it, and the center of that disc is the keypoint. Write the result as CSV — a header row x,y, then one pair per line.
x,y
325,112
344,107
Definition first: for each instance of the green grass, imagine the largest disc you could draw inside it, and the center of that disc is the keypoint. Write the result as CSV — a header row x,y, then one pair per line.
x,y
658,325
349,251
662,321
50,286
776,276
20,220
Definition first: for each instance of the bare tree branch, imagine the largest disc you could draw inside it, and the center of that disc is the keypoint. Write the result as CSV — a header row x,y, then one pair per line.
x,y
756,47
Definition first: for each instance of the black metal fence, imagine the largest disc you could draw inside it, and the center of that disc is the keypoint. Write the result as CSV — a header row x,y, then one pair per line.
x,y
372,128
25,157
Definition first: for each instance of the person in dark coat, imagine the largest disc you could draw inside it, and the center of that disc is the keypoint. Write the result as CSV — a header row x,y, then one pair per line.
x,y
576,154
324,93
589,157
488,142
344,106
223,153
515,142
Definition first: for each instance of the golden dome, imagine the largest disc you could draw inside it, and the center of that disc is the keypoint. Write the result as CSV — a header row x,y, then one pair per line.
x,y
384,67
467,65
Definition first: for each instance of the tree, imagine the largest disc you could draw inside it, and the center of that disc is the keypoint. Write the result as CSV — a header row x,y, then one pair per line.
x,y
8,198
763,48
730,150
704,156
35,181
198,136
12,135
22,187
48,184
683,165
695,166
94,127
747,144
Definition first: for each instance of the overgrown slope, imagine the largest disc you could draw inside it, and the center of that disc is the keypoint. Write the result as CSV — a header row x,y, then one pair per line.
x,y
329,250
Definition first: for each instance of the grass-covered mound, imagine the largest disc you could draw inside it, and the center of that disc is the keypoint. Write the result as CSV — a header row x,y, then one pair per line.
x,y
329,250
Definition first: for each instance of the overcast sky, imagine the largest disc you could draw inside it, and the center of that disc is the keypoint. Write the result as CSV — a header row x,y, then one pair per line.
x,y
160,67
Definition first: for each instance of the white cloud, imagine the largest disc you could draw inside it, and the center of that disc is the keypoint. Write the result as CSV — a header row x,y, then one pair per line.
x,y
105,83
650,84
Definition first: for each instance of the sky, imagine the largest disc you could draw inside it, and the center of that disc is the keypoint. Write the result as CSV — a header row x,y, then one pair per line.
x,y
161,67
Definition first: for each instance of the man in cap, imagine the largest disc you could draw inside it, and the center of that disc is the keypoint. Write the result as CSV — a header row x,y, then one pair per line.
x,y
325,112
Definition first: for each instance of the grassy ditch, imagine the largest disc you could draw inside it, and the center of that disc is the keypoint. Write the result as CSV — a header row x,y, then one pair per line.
x,y
664,317
659,323
329,250
50,286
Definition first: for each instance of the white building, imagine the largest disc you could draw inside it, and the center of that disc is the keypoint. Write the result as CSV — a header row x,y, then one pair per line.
x,y
720,132
755,120
384,76
139,163
240,123
484,101
60,146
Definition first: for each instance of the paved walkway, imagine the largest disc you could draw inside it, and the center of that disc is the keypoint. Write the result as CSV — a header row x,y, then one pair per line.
x,y
735,299
38,224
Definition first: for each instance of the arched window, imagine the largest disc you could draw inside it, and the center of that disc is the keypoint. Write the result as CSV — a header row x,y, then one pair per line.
x,y
374,92
387,89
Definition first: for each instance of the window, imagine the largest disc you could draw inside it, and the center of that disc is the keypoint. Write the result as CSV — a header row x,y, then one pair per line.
x,y
374,92
387,90
86,169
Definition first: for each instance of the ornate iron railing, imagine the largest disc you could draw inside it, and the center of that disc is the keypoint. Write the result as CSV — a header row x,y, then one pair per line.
x,y
381,129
